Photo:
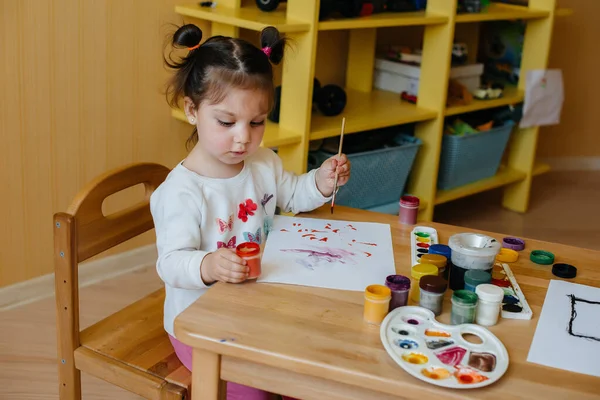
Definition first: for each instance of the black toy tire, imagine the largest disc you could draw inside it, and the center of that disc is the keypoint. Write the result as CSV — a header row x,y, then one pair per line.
x,y
350,8
274,114
332,100
316,90
267,5
326,8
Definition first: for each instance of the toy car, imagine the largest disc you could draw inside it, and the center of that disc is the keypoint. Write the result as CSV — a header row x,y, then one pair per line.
x,y
411,98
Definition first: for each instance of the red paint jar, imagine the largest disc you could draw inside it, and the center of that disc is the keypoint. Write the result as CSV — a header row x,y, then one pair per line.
x,y
409,208
250,252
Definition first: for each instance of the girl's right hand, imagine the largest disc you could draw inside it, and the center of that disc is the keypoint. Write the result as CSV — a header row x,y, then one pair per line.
x,y
225,266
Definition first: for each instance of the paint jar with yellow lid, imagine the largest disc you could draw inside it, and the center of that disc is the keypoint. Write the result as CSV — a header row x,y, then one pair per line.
x,y
438,260
417,272
377,303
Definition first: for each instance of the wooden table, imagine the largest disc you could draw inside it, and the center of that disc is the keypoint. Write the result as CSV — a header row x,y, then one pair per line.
x,y
312,343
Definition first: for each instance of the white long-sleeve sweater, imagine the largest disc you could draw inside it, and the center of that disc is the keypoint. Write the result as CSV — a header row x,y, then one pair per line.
x,y
195,215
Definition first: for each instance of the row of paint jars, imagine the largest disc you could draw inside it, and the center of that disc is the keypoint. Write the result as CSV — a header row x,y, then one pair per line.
x,y
481,307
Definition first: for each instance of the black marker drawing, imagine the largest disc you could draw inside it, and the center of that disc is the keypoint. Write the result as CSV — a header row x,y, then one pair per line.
x,y
574,300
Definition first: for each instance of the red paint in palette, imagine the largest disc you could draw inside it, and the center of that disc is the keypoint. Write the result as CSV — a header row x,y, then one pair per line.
x,y
423,245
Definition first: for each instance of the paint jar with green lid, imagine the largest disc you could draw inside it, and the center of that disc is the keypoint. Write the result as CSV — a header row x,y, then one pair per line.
x,y
417,272
476,277
464,304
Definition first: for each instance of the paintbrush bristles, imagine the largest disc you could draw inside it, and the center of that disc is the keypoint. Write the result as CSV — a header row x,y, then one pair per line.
x,y
335,182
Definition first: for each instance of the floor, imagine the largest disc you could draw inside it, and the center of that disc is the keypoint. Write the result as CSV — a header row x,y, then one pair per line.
x,y
563,209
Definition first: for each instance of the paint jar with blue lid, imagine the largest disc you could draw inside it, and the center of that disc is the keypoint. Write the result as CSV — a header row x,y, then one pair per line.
x,y
476,277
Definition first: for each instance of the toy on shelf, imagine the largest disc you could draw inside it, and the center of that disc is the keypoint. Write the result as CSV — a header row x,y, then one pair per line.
x,y
458,94
472,6
404,54
489,92
268,5
330,100
353,8
460,53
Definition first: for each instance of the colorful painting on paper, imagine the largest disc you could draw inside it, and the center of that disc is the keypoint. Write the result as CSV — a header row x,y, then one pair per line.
x,y
324,253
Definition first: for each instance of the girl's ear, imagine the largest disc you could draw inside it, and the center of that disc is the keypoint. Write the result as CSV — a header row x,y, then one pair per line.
x,y
190,110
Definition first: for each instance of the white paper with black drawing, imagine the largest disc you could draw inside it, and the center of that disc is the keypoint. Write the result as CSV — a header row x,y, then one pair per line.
x,y
568,332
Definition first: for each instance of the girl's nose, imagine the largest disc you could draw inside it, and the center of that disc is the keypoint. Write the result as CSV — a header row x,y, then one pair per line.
x,y
243,135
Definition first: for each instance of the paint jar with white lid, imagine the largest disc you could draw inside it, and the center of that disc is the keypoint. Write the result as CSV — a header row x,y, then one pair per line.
x,y
489,303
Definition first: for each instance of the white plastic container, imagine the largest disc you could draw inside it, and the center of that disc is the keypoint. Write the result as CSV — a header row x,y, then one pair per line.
x,y
473,250
399,77
489,303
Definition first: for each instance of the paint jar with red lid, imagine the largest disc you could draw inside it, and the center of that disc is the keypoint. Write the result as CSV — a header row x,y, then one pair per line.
x,y
409,208
250,252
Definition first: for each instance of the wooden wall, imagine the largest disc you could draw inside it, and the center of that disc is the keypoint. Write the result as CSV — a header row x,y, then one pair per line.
x,y
575,50
81,84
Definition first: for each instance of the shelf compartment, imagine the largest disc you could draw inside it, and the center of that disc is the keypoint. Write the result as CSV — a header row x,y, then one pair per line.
x,y
511,95
246,17
369,110
382,20
503,177
497,12
274,135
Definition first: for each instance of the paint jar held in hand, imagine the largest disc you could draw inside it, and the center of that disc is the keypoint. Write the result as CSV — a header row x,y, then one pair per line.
x,y
250,252
464,304
490,301
476,277
400,286
377,303
417,272
432,293
409,208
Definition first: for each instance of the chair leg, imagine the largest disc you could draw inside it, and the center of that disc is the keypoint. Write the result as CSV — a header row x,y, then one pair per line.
x,y
69,379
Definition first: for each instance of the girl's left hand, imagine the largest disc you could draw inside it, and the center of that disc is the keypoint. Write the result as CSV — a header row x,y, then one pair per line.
x,y
326,174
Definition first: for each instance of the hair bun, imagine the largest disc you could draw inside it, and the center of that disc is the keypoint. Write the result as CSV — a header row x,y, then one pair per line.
x,y
187,36
270,37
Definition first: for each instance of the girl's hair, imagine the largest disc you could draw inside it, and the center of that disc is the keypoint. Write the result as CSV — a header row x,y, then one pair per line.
x,y
209,69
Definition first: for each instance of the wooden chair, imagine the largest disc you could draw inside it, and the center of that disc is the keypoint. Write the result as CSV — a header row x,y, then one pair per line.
x,y
129,349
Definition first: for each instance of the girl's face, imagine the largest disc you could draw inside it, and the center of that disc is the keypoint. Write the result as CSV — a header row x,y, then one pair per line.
x,y
228,132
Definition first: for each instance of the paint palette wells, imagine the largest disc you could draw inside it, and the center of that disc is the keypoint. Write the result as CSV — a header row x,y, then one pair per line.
x,y
441,354
422,237
515,304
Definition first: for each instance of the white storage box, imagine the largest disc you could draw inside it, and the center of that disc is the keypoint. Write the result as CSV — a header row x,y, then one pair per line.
x,y
398,77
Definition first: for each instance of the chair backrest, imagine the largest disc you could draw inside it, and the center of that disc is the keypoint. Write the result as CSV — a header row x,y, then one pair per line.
x,y
84,231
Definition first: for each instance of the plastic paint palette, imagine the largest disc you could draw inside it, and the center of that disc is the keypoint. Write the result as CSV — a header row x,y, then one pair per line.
x,y
421,238
514,298
438,354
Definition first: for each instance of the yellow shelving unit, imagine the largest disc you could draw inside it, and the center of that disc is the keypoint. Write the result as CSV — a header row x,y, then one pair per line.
x,y
368,108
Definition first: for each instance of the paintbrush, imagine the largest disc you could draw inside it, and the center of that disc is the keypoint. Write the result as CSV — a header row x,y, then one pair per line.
x,y
335,182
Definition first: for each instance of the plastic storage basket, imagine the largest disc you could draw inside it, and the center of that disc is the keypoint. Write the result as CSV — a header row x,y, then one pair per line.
x,y
378,176
473,157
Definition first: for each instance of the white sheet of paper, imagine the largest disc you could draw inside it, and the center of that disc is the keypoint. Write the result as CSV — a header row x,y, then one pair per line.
x,y
544,97
355,255
571,346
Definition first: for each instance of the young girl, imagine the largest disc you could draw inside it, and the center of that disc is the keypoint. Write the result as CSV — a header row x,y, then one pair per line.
x,y
226,190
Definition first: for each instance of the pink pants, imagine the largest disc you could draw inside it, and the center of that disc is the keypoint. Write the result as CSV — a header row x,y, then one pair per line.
x,y
235,391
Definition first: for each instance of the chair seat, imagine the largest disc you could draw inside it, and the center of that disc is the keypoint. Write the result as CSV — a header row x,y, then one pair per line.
x,y
135,339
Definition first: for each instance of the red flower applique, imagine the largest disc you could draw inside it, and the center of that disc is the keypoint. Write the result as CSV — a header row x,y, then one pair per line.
x,y
247,208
